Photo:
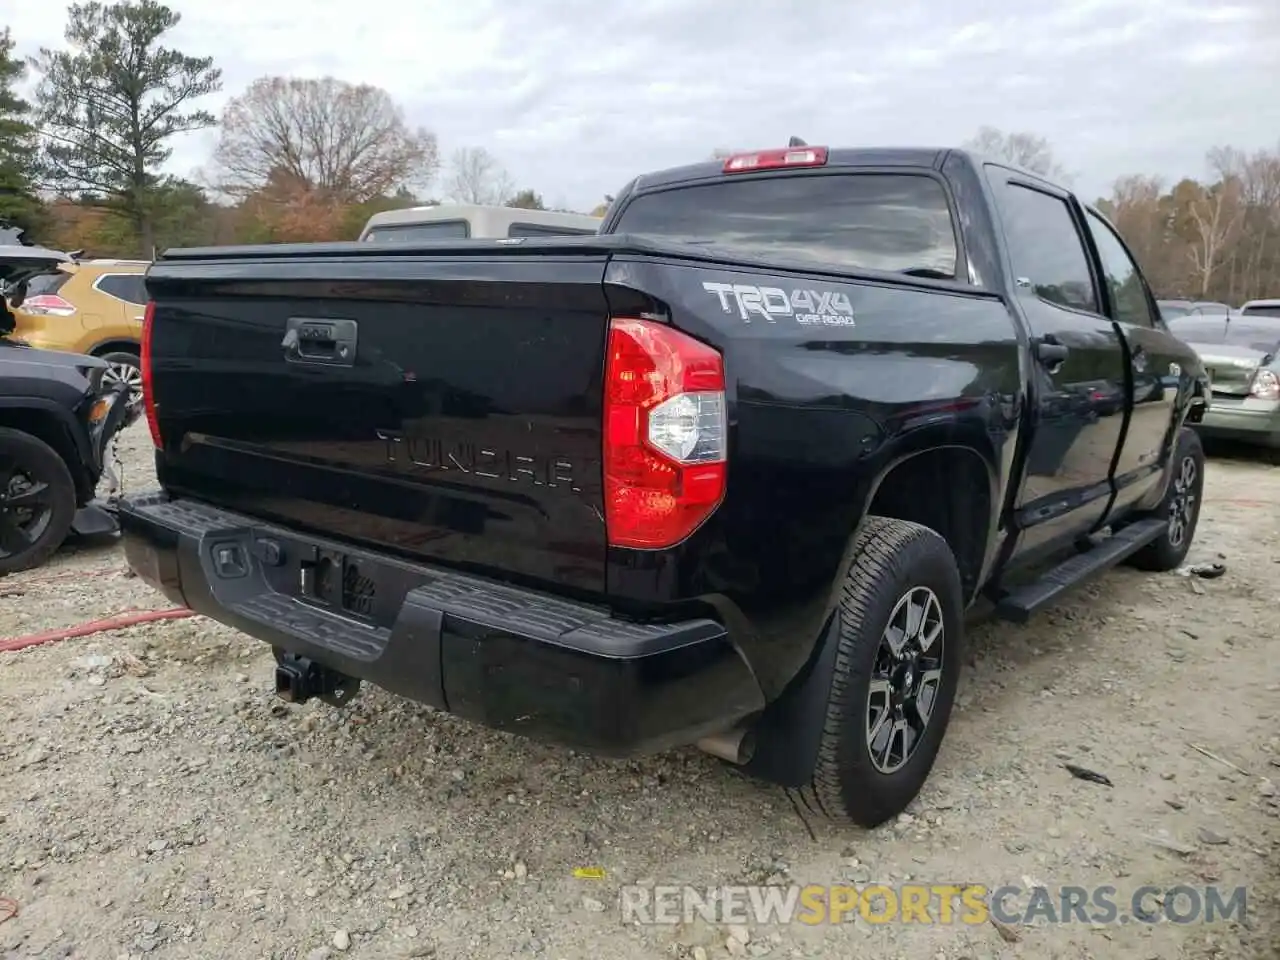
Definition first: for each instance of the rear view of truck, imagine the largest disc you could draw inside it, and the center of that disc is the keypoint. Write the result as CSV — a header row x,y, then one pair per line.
x,y
411,470
607,490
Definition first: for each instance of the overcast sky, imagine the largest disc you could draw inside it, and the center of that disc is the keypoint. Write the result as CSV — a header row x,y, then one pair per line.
x,y
576,96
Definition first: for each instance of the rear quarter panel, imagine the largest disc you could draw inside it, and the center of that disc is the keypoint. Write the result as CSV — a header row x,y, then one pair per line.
x,y
822,404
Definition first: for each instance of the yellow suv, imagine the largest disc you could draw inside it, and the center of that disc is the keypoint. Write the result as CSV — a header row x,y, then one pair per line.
x,y
89,306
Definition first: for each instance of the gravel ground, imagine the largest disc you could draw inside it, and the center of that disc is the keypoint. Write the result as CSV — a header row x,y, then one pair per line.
x,y
157,801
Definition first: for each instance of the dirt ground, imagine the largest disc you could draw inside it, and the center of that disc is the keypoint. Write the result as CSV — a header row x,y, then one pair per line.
x,y
157,801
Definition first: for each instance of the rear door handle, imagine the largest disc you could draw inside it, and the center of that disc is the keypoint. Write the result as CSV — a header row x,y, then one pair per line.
x,y
1050,351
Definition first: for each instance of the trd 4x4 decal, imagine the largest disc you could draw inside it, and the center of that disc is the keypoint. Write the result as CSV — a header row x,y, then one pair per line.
x,y
824,307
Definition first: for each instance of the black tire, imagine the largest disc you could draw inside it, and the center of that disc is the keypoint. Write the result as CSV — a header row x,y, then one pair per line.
x,y
25,456
893,559
120,359
1179,513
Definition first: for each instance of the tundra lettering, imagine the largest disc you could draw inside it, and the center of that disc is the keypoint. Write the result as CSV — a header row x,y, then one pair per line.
x,y
431,453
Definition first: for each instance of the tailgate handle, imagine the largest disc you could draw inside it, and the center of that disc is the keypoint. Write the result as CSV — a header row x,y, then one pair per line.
x,y
328,342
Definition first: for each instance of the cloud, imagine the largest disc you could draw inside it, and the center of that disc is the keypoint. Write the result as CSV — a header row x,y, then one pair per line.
x,y
577,96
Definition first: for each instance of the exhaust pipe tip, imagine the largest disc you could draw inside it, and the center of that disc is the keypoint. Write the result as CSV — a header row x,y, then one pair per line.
x,y
736,745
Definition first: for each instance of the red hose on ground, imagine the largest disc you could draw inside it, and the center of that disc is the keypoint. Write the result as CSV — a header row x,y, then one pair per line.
x,y
118,622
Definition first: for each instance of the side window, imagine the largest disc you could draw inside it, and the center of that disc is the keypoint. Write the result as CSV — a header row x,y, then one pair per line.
x,y
541,230
1122,276
413,232
128,287
1046,248
135,289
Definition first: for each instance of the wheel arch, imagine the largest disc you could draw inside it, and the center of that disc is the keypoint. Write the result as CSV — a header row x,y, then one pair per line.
x,y
56,427
906,488
118,345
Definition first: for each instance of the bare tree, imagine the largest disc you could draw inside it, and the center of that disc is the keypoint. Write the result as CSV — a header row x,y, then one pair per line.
x,y
1135,208
342,142
1026,150
475,176
1216,213
1255,256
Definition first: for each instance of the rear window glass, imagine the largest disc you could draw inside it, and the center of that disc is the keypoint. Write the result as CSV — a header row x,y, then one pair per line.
x,y
894,222
412,232
543,230
1171,311
1270,310
129,287
47,284
1256,333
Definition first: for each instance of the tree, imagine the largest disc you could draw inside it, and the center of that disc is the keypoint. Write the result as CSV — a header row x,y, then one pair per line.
x,y
358,215
475,176
109,106
1218,239
342,143
1215,213
1026,150
20,209
527,200
1135,207
1254,257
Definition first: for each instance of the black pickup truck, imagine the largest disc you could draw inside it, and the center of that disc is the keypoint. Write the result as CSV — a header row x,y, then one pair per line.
x,y
729,473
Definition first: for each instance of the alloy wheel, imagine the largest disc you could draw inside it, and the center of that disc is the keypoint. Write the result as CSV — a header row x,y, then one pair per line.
x,y
126,373
1182,505
26,508
905,680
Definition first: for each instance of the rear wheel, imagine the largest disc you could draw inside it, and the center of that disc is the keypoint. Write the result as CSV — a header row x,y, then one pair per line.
x,y
37,501
897,666
123,368
1180,508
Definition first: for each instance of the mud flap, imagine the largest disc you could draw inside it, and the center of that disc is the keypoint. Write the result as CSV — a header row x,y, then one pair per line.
x,y
95,519
789,731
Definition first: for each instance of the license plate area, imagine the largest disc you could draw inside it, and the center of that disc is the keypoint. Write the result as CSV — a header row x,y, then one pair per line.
x,y
338,581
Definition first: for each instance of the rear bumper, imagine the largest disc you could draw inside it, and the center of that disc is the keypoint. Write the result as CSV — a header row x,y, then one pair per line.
x,y
506,657
1246,420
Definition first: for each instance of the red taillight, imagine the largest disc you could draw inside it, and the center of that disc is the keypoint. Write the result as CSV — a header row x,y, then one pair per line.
x,y
774,159
148,392
665,434
48,305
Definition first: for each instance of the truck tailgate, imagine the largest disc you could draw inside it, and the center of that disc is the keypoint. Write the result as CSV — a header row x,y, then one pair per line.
x,y
444,408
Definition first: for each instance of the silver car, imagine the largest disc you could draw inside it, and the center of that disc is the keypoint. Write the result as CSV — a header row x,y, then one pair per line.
x,y
1239,352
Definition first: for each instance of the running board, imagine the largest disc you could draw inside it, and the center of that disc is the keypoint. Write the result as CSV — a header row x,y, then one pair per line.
x,y
1018,605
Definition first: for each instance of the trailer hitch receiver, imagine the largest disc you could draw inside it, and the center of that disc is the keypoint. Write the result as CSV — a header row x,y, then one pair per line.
x,y
299,679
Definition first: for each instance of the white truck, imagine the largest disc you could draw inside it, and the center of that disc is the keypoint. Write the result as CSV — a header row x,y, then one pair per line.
x,y
462,221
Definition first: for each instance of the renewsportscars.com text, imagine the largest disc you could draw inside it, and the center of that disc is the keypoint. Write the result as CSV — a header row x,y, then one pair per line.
x,y
943,904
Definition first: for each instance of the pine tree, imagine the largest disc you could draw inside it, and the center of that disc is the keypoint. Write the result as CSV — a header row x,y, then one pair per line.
x,y
110,106
20,209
